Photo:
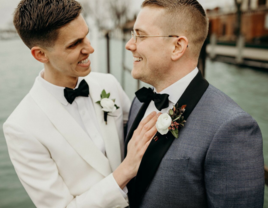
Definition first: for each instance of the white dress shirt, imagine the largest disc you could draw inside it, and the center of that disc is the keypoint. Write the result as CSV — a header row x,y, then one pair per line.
x,y
82,110
174,91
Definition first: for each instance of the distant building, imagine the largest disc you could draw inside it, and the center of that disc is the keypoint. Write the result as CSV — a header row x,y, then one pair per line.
x,y
254,22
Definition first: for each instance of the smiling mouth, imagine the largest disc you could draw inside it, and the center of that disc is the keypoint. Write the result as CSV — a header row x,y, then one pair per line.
x,y
135,59
84,61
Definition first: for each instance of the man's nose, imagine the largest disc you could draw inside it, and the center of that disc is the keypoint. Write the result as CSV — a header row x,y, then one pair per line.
x,y
88,49
130,45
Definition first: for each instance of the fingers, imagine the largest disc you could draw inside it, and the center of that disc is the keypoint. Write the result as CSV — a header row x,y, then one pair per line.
x,y
145,146
146,130
150,124
144,121
149,134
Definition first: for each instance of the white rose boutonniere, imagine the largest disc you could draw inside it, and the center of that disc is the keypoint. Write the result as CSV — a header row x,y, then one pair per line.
x,y
163,123
172,121
108,105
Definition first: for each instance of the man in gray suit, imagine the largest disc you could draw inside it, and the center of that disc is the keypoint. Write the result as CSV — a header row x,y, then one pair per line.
x,y
217,158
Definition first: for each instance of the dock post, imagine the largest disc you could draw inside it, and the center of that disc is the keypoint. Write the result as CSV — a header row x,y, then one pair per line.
x,y
240,47
108,51
213,43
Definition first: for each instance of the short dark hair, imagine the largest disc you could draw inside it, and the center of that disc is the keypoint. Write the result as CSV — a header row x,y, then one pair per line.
x,y
185,16
37,21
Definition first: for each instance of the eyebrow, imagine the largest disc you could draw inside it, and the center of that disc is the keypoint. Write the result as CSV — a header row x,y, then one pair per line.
x,y
139,30
77,40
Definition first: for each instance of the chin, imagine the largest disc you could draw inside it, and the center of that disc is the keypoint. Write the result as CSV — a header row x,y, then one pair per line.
x,y
85,72
135,75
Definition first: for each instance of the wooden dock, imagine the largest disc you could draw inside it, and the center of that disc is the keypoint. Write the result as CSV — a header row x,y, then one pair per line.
x,y
252,57
247,53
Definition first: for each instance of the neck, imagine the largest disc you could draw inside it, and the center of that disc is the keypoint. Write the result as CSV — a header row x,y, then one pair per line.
x,y
174,74
59,80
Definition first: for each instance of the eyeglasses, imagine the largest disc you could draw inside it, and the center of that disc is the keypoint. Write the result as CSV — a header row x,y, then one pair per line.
x,y
134,36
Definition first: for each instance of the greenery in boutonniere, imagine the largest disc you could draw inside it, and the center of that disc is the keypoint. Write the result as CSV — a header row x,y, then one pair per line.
x,y
178,121
107,105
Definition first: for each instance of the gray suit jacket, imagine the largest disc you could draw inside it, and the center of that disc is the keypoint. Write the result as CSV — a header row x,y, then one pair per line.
x,y
217,161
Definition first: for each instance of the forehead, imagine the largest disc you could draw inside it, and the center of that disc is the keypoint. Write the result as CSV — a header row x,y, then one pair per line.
x,y
150,19
73,30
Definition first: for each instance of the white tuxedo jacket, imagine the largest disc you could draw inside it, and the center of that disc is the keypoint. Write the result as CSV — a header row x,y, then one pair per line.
x,y
56,161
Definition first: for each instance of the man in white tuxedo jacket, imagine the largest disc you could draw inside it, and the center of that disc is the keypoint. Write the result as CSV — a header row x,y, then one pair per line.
x,y
65,149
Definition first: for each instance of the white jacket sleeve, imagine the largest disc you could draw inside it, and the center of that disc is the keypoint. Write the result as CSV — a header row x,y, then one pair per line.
x,y
40,177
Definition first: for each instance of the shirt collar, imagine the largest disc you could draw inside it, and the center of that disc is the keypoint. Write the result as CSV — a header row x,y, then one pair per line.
x,y
176,90
54,90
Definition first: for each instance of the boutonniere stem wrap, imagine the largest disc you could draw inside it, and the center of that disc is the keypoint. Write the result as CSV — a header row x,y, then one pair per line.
x,y
107,105
172,121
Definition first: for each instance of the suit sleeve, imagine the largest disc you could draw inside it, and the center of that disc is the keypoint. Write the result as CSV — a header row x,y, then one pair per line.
x,y
234,165
40,177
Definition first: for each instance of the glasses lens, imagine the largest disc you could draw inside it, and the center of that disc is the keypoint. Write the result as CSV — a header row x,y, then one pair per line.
x,y
133,36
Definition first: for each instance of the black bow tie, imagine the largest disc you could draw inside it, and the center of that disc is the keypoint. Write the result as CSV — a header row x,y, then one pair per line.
x,y
147,94
71,94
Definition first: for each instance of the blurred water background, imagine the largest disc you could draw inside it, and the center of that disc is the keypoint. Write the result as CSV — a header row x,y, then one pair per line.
x,y
249,88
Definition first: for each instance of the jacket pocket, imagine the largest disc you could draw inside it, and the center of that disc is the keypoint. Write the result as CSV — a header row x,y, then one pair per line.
x,y
174,167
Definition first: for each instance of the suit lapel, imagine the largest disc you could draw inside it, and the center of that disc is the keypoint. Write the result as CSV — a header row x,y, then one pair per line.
x,y
135,124
157,149
70,129
108,131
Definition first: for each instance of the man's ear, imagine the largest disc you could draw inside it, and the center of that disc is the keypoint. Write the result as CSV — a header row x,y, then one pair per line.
x,y
180,45
39,54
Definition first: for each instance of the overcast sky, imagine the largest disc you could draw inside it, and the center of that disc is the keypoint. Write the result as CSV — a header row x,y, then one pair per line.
x,y
7,8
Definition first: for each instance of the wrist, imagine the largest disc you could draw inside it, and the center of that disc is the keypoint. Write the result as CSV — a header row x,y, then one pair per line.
x,y
123,174
128,170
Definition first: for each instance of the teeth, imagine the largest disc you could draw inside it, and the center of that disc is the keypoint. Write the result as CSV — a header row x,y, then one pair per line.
x,y
84,61
137,59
